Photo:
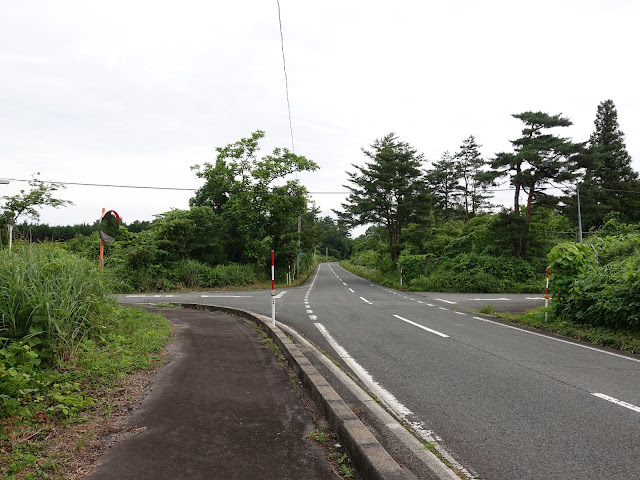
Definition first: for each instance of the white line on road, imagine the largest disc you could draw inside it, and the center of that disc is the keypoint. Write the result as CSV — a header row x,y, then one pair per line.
x,y
617,402
460,313
226,296
351,290
429,304
422,327
559,340
309,311
375,388
344,284
365,300
420,301
446,301
534,298
313,317
489,299
281,294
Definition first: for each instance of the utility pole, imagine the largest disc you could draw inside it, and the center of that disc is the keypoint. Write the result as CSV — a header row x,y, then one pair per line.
x,y
297,274
579,214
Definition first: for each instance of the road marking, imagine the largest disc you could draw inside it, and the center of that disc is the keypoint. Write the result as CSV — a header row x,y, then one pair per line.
x,y
313,317
344,284
460,313
365,300
558,339
422,327
446,301
429,304
489,299
227,296
420,301
351,290
443,308
281,294
309,311
617,402
534,298
375,388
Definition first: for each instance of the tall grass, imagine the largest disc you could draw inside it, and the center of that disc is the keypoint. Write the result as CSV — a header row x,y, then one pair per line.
x,y
49,296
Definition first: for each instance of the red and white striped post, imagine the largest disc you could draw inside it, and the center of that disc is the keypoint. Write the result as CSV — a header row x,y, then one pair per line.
x,y
273,290
546,297
401,277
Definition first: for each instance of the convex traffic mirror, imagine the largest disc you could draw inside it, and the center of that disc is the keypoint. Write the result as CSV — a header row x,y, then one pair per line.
x,y
109,226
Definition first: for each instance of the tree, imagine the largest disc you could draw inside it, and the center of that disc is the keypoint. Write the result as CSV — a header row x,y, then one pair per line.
x,y
443,180
27,202
257,204
609,183
389,190
539,158
475,180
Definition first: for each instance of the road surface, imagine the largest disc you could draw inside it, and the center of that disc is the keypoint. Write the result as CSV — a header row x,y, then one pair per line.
x,y
503,402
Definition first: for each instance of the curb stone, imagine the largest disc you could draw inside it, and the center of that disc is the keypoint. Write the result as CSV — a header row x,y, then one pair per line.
x,y
369,456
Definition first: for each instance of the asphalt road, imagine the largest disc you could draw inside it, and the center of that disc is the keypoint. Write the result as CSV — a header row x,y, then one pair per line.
x,y
505,403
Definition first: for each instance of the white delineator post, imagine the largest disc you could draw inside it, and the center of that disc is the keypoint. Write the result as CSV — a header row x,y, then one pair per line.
x,y
273,290
401,276
546,297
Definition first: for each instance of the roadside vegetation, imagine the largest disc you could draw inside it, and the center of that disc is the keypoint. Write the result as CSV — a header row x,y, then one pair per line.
x,y
64,345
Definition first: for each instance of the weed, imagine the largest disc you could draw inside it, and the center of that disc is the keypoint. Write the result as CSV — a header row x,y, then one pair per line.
x,y
319,436
487,309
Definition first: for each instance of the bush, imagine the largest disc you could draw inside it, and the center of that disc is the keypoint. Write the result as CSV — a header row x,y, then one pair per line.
x,y
600,289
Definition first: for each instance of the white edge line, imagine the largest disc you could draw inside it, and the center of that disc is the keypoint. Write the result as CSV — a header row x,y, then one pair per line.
x,y
365,376
351,290
422,327
617,402
365,300
558,340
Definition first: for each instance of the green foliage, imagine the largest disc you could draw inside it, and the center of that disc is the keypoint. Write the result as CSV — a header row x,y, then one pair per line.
x,y
58,326
539,158
50,297
387,191
253,198
598,283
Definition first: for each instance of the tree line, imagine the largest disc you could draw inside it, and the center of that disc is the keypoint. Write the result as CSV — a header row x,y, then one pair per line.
x,y
394,191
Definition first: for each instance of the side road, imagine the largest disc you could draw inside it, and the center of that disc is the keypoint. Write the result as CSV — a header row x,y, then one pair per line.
x,y
223,408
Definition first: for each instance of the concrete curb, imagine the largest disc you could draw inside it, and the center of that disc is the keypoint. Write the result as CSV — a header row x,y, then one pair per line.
x,y
369,456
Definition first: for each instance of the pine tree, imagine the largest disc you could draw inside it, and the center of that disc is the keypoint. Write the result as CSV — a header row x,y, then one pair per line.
x,y
388,190
609,183
475,180
539,158
443,180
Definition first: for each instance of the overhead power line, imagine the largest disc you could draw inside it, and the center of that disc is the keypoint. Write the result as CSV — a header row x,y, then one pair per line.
x,y
286,81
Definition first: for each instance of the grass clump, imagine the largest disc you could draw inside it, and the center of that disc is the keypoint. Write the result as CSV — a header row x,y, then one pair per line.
x,y
62,339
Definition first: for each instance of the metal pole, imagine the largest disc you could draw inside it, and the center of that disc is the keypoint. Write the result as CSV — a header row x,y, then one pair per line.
x,y
102,246
579,214
297,273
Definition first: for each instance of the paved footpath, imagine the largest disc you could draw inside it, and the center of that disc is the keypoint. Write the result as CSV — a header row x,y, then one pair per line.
x,y
222,409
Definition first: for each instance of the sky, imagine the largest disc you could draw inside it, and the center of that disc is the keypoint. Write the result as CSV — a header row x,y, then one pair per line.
x,y
137,92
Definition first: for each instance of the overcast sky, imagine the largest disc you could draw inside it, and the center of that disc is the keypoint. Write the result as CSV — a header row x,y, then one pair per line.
x,y
136,92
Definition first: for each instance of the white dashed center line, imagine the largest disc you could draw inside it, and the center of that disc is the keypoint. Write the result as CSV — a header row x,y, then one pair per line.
x,y
430,330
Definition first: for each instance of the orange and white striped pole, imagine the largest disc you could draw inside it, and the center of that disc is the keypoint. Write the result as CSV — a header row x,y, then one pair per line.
x,y
273,290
